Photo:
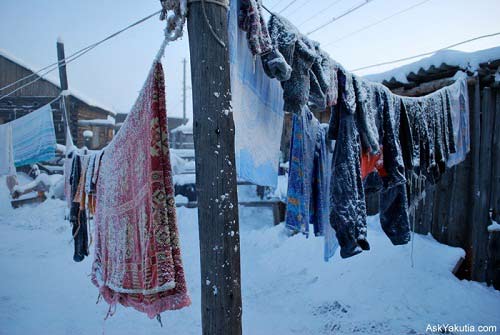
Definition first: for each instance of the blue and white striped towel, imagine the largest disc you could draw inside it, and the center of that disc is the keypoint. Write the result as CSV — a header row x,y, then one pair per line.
x,y
34,137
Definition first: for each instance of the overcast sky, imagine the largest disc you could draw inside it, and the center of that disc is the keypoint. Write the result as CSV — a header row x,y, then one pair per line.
x,y
113,73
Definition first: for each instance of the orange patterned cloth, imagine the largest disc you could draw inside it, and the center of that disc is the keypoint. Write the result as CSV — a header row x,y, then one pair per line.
x,y
372,163
137,254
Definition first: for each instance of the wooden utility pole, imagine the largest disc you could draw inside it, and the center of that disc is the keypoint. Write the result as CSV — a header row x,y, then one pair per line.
x,y
215,169
184,90
63,79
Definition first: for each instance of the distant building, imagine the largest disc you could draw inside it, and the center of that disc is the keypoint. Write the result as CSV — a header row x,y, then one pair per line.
x,y
84,115
182,137
172,122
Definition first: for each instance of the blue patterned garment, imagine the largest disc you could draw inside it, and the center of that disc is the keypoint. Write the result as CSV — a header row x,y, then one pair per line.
x,y
34,137
308,180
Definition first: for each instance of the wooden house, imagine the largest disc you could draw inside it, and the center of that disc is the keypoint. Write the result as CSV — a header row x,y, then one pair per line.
x,y
84,115
172,122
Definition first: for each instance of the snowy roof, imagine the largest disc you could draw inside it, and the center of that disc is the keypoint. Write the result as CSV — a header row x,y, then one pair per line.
x,y
55,82
184,128
441,60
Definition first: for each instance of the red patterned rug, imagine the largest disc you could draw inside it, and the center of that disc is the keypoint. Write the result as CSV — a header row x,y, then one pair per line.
x,y
137,254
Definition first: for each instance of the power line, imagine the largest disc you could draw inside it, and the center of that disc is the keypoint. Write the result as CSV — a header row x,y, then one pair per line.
x,y
320,12
70,58
377,22
53,68
426,53
274,6
353,9
306,2
287,6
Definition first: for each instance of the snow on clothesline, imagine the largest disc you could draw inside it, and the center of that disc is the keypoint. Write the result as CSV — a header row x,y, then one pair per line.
x,y
465,60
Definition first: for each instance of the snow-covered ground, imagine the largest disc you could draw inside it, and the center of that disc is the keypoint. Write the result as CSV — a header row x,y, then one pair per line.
x,y
287,288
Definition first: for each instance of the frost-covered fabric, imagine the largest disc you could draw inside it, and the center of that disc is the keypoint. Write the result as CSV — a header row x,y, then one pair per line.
x,y
299,210
459,105
78,216
347,197
252,21
257,105
137,259
7,167
323,84
391,146
394,219
89,187
427,134
323,174
313,78
299,52
34,137
365,115
308,180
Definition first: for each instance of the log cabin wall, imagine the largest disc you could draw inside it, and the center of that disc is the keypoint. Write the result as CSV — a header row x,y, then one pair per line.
x,y
11,72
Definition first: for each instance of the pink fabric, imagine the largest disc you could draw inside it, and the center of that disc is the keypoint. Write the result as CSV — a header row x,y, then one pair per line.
x,y
137,254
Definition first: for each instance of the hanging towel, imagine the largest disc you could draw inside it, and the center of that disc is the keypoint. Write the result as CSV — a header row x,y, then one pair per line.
x,y
459,101
34,137
137,253
257,106
308,200
7,167
304,203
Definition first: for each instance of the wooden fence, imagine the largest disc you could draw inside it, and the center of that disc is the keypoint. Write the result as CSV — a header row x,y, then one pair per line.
x,y
459,208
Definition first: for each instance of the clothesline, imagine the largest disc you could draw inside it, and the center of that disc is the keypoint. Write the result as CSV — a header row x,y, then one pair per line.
x,y
52,67
402,142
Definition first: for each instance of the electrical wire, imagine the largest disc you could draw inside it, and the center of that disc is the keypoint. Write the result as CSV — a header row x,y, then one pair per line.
x,y
320,12
287,6
426,53
277,4
376,23
306,2
70,58
353,9
41,76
